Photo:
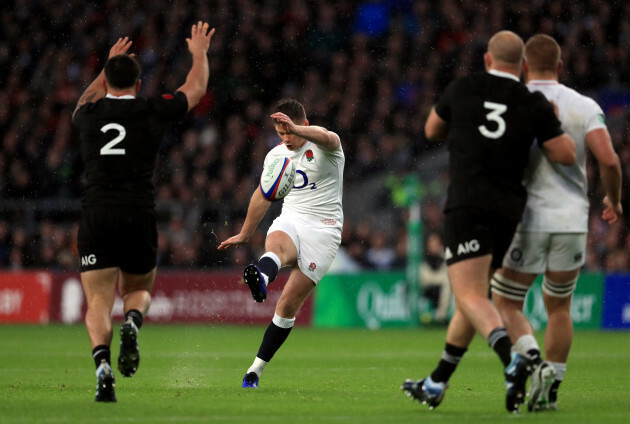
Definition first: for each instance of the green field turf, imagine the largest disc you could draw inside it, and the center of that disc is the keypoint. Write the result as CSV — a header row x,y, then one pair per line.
x,y
192,374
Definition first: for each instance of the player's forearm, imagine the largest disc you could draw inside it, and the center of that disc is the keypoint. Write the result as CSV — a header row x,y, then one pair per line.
x,y
257,209
611,180
94,91
319,135
196,82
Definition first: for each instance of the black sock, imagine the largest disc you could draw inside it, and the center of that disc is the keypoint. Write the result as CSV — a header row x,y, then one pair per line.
x,y
269,267
446,367
534,354
500,342
553,392
136,317
272,340
99,353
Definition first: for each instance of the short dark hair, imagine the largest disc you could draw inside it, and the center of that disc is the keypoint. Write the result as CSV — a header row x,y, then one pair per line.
x,y
542,53
122,71
292,108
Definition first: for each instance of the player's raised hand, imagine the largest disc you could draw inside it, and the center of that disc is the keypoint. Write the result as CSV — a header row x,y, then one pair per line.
x,y
120,47
611,212
284,120
232,241
200,36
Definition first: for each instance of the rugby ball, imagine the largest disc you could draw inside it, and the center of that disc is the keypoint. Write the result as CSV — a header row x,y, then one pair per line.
x,y
277,178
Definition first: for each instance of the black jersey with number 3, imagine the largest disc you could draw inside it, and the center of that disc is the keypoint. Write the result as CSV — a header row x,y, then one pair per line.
x,y
120,139
493,120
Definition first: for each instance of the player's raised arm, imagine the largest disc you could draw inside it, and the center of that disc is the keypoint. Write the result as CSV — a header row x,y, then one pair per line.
x,y
257,209
96,90
196,84
325,139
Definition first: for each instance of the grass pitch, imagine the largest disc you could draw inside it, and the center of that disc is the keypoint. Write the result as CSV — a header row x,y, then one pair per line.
x,y
192,374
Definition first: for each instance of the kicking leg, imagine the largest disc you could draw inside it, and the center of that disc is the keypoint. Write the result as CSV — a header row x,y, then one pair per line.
x,y
279,251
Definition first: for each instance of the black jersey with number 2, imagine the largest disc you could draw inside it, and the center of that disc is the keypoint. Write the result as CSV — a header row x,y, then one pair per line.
x,y
120,139
493,120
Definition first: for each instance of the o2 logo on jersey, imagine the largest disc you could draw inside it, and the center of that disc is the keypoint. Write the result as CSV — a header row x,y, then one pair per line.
x,y
109,149
301,181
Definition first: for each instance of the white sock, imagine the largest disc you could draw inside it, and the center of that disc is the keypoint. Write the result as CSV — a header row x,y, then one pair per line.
x,y
283,322
258,366
560,368
524,344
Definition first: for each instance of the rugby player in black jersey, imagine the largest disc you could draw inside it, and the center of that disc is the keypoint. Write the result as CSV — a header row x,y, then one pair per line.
x,y
489,121
120,135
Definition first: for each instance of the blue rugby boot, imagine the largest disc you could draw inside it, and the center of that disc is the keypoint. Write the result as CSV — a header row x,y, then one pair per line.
x,y
256,282
427,391
516,374
250,380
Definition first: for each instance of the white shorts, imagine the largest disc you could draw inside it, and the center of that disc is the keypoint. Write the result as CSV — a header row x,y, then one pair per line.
x,y
537,252
317,243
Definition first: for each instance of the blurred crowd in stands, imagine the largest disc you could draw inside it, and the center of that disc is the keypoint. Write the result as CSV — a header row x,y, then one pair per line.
x,y
368,70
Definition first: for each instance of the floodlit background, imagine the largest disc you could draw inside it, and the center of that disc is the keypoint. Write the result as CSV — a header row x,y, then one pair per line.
x,y
369,70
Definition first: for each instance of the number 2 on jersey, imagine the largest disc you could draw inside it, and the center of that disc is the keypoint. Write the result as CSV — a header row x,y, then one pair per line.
x,y
496,109
108,149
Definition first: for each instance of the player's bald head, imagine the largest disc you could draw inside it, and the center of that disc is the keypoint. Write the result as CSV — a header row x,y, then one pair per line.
x,y
542,53
506,47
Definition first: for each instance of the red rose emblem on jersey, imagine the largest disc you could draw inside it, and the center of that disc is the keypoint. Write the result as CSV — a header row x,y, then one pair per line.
x,y
312,266
309,155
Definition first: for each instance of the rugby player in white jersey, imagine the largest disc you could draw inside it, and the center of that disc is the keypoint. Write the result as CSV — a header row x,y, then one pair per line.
x,y
307,233
551,238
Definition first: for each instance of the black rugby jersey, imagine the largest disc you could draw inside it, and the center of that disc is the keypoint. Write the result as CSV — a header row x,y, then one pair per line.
x,y
493,120
120,139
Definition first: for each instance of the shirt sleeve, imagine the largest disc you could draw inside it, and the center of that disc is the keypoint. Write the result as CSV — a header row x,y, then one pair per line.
x,y
443,108
596,118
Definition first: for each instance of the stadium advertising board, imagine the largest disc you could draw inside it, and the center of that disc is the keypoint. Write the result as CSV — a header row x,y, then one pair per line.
x,y
368,299
25,297
182,297
376,300
616,314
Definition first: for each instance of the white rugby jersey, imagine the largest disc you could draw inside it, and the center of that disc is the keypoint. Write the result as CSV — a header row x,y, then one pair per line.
x,y
557,194
318,188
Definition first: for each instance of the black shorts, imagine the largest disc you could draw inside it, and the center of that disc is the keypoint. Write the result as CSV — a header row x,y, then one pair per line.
x,y
470,232
118,236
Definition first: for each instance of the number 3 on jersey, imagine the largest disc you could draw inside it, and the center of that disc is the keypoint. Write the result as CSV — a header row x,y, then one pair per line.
x,y
496,109
108,149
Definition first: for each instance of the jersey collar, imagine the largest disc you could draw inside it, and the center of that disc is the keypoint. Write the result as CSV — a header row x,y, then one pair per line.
x,y
543,82
503,74
125,96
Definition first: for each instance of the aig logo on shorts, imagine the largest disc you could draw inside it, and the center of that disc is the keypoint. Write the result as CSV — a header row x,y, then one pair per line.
x,y
467,247
88,260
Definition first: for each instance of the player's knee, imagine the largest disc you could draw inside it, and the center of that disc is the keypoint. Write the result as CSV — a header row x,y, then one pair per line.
x,y
508,288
